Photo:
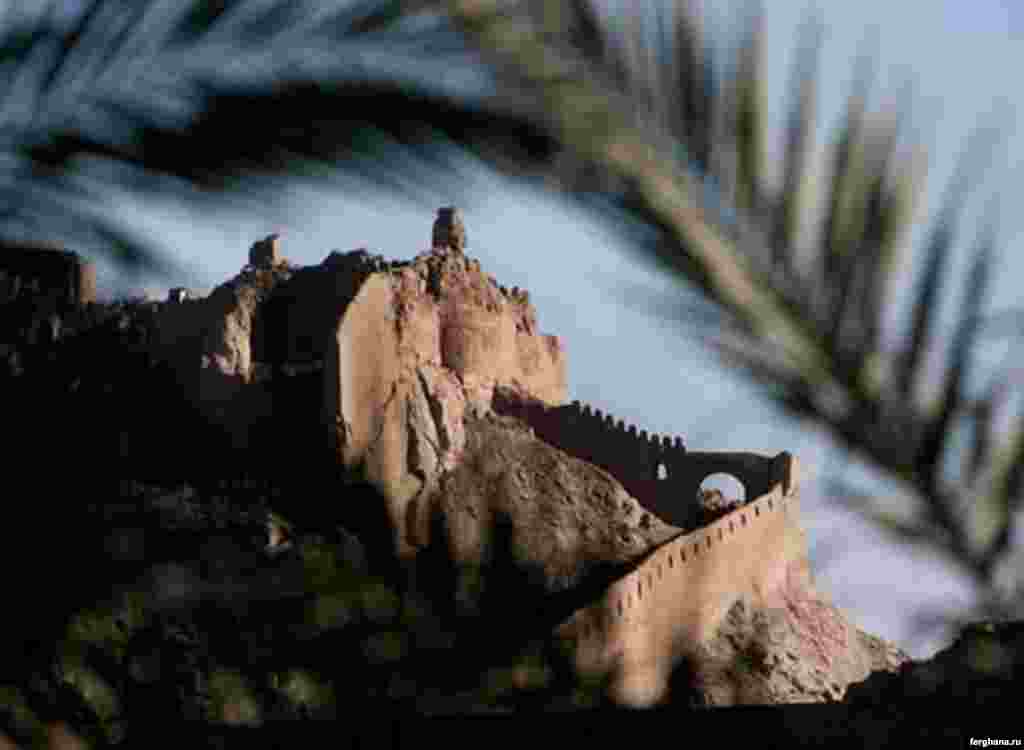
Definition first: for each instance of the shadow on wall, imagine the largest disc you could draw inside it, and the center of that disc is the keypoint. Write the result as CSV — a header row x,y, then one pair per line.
x,y
652,618
657,470
295,322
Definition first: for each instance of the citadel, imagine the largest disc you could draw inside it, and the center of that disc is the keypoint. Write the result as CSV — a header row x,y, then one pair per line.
x,y
390,374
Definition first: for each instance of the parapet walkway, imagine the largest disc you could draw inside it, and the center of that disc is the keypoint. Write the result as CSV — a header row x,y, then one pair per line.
x,y
675,599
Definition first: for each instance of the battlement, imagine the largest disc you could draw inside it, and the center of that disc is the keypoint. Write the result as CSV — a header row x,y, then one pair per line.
x,y
676,597
655,469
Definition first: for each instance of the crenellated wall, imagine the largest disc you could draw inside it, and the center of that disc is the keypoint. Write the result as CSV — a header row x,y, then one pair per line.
x,y
655,469
675,599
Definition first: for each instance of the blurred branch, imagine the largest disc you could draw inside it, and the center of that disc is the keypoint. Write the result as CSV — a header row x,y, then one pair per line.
x,y
162,100
810,333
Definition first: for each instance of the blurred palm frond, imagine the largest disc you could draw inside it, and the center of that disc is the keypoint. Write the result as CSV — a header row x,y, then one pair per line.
x,y
805,322
205,99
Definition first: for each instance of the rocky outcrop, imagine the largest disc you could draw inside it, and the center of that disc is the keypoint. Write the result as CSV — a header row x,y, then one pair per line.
x,y
727,614
794,647
403,351
419,347
403,345
225,347
404,368
516,506
208,342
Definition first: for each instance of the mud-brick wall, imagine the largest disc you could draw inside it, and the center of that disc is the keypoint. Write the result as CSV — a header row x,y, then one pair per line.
x,y
650,619
656,470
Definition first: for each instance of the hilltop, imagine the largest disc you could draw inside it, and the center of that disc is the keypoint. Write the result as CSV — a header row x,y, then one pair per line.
x,y
404,428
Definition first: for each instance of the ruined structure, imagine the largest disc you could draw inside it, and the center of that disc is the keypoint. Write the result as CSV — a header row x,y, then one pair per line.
x,y
267,253
449,230
676,599
40,287
430,382
45,274
657,470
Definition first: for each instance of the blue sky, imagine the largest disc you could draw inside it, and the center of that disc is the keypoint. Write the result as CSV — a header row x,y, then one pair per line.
x,y
963,59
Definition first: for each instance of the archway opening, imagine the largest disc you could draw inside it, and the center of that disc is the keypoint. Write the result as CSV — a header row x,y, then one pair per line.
x,y
728,485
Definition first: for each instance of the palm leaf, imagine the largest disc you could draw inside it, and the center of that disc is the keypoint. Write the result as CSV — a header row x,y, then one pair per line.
x,y
799,132
71,47
858,300
1009,480
691,120
159,124
838,237
983,412
200,19
937,252
887,214
964,342
905,530
825,327
749,122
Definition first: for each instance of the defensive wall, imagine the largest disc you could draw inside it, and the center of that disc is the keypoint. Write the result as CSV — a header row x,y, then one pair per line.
x,y
673,600
655,469
645,622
